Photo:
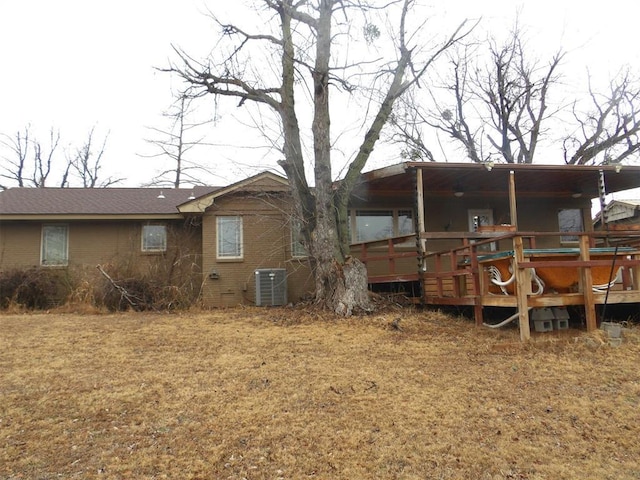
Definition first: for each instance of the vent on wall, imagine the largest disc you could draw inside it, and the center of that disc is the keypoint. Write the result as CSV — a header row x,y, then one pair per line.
x,y
271,287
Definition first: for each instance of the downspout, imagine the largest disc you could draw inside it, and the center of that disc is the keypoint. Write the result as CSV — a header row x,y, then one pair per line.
x,y
421,243
602,192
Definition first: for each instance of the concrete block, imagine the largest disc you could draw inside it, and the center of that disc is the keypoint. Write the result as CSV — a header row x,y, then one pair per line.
x,y
544,313
543,325
560,323
613,329
560,313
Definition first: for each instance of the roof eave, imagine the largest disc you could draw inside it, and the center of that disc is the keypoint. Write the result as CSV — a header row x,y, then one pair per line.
x,y
75,217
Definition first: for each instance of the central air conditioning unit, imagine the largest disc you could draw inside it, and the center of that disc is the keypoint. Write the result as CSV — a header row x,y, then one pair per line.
x,y
271,287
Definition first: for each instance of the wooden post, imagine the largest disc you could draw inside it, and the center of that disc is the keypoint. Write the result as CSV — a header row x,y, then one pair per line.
x,y
420,207
635,274
513,212
392,258
523,286
587,286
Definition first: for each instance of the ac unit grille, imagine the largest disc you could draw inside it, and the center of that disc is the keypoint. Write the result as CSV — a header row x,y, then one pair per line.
x,y
271,287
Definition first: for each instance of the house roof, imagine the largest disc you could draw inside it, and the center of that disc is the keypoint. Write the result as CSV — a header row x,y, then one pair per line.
x,y
617,210
95,202
261,182
531,180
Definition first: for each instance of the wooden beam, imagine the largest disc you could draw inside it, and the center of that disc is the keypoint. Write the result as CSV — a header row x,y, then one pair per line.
x,y
523,285
513,212
635,274
587,286
420,208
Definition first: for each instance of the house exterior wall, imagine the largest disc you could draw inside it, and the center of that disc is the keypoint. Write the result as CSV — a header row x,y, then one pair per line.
x,y
451,214
534,214
267,243
112,243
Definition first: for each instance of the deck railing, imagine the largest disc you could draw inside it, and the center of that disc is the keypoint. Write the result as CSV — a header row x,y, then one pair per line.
x,y
382,256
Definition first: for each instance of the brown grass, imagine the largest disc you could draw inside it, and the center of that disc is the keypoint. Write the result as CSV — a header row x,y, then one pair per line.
x,y
281,393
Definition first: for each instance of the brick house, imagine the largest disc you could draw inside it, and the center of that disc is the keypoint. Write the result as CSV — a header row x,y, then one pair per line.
x,y
220,238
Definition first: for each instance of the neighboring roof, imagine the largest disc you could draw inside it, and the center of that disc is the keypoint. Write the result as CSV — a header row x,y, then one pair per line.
x,y
630,203
531,180
95,202
262,182
617,210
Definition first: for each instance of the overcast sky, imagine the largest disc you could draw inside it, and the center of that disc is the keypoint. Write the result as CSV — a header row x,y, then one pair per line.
x,y
73,64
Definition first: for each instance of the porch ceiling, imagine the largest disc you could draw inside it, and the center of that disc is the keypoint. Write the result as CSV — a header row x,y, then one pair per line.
x,y
442,179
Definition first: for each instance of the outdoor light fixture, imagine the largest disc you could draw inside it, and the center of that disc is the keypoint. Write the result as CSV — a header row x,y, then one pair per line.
x,y
458,191
618,168
489,166
576,194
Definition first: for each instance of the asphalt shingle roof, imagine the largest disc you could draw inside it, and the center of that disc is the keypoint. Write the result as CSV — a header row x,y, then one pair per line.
x,y
96,201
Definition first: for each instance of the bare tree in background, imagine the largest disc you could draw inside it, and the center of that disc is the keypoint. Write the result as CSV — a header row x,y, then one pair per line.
x,y
609,131
499,110
87,162
29,163
300,41
493,109
175,142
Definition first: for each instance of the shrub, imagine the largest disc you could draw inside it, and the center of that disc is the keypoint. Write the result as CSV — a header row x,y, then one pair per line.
x,y
33,288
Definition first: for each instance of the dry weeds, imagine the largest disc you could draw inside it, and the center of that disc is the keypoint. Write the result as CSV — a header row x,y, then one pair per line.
x,y
280,393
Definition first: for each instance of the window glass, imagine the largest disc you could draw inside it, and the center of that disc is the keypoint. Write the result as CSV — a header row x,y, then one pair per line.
x,y
229,233
405,222
154,238
570,220
297,247
55,245
373,225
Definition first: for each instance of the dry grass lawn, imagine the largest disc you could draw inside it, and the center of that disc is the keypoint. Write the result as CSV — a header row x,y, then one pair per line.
x,y
286,394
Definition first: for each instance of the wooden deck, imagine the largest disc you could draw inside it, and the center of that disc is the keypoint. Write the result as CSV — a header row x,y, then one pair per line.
x,y
461,275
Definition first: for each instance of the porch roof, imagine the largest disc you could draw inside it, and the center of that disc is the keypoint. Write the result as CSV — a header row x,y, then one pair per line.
x,y
531,180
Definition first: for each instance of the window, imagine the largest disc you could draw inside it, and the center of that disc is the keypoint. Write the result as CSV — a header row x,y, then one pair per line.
x,y
55,245
297,247
570,220
372,225
154,238
481,218
229,237
405,222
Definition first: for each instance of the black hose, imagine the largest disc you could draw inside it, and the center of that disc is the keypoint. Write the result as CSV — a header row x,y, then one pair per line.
x,y
606,297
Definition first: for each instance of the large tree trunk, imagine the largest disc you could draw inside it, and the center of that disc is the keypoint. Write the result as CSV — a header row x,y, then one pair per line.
x,y
342,288
341,285
341,282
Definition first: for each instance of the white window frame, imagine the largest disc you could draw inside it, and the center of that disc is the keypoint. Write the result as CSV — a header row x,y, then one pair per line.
x,y
143,238
220,254
44,245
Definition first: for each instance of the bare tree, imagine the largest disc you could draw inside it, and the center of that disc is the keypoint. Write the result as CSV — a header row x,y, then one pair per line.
x,y
303,37
16,161
498,109
87,162
28,162
175,142
609,132
494,105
